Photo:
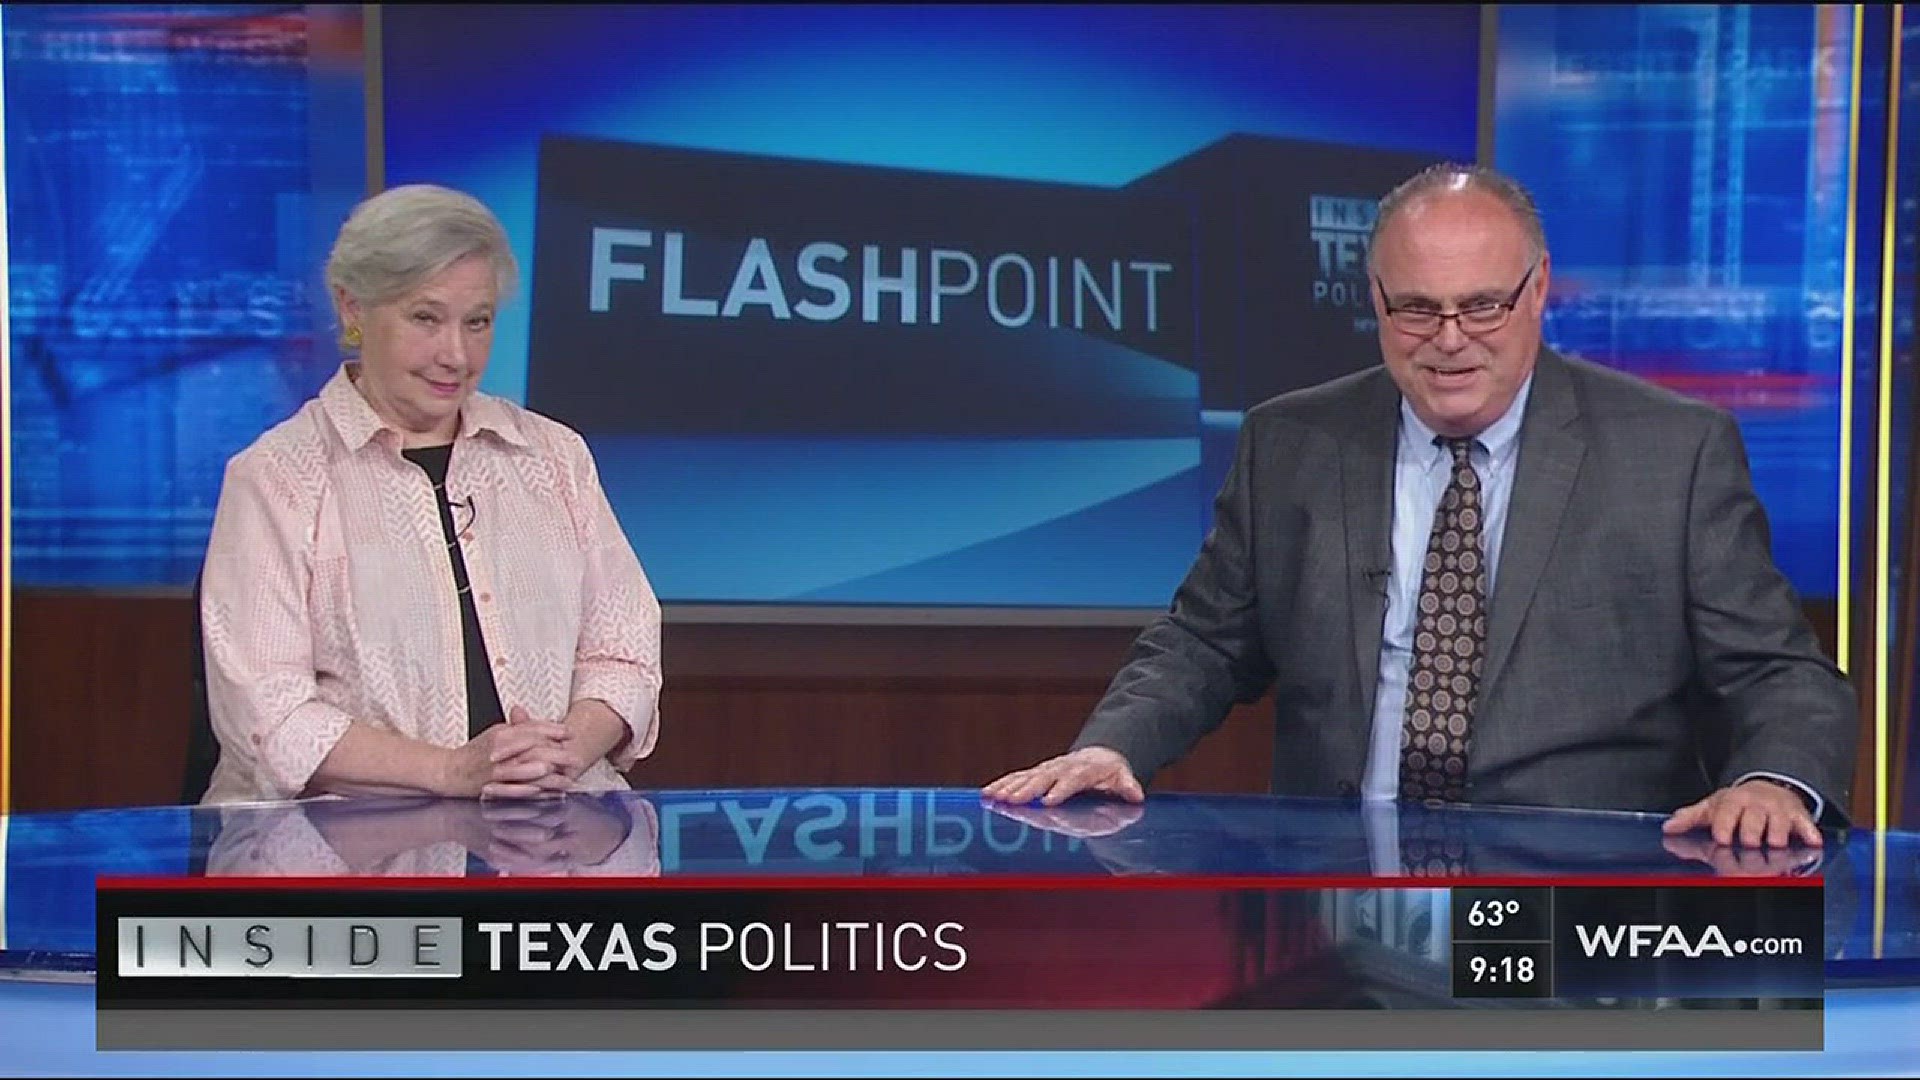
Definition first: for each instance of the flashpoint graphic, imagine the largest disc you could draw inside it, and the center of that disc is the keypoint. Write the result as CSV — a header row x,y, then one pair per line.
x,y
758,282
775,296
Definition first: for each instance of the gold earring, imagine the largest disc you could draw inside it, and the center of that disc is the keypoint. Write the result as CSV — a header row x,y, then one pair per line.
x,y
351,337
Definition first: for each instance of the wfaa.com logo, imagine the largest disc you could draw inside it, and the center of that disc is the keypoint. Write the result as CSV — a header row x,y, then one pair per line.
x,y
1654,940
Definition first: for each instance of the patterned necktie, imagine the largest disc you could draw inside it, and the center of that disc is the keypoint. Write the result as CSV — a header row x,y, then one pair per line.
x,y
1449,643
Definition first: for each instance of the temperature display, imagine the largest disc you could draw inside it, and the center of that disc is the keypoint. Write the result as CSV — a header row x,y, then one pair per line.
x,y
1502,942
1492,914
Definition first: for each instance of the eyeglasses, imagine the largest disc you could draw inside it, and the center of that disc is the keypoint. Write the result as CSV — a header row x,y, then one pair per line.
x,y
1474,319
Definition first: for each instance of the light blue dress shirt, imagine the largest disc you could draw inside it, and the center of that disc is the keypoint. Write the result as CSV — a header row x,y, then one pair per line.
x,y
1422,468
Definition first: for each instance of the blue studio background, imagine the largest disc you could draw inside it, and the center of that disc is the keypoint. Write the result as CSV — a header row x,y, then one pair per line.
x,y
1698,240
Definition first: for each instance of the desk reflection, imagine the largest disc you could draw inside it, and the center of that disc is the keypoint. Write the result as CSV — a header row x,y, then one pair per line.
x,y
52,859
580,835
1389,947
1388,839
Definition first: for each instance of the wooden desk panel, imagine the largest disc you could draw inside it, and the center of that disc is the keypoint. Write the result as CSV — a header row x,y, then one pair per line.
x,y
101,709
101,706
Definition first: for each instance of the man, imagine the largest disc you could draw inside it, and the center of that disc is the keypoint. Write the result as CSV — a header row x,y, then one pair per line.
x,y
1487,573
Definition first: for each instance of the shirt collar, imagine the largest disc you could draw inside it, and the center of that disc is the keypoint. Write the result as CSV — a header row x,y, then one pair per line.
x,y
1499,439
357,423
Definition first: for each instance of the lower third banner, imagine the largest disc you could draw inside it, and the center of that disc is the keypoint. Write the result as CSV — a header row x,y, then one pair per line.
x,y
1125,943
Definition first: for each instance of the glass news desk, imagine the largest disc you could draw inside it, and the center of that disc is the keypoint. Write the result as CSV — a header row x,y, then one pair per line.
x,y
1377,948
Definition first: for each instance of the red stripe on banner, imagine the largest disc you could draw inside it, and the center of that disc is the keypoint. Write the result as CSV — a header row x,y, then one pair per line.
x,y
997,883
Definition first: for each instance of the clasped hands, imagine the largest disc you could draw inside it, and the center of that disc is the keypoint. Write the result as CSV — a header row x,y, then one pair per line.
x,y
527,758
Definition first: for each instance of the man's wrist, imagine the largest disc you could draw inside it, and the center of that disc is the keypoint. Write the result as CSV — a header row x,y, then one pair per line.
x,y
1808,800
1103,750
1805,799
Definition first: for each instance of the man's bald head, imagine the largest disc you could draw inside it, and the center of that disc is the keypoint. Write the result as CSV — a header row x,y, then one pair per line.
x,y
1451,178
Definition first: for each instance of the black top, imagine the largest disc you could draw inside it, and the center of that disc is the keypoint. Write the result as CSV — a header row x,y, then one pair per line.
x,y
483,698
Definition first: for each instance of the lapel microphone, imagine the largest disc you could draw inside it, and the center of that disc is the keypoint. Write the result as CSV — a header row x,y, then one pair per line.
x,y
456,505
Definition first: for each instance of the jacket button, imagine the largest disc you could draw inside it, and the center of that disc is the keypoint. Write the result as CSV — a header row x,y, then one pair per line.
x,y
1347,787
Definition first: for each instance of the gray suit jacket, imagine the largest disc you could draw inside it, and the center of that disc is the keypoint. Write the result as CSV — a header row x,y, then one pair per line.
x,y
1643,649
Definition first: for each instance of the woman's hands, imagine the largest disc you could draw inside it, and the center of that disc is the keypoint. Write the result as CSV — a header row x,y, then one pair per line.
x,y
526,758
505,762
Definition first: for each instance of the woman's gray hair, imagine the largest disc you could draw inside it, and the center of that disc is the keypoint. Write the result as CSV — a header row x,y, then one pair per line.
x,y
393,242
1450,176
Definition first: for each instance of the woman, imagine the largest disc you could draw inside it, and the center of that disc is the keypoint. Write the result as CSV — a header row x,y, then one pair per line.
x,y
413,587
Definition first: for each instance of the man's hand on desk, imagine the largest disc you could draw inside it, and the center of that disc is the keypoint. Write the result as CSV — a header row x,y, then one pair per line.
x,y
1053,781
1753,813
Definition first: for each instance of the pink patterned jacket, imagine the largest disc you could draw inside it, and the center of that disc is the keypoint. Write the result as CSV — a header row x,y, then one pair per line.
x,y
328,597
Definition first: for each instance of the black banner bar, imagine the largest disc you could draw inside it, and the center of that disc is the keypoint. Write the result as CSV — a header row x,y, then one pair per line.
x,y
1760,941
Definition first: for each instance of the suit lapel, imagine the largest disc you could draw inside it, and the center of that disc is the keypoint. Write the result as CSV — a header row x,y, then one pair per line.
x,y
1366,480
1551,450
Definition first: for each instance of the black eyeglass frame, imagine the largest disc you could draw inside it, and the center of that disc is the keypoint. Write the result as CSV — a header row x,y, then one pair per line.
x,y
1505,307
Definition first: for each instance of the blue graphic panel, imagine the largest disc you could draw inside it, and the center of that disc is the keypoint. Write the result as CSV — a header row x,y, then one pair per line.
x,y
1690,164
1905,637
169,196
1082,522
1140,221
